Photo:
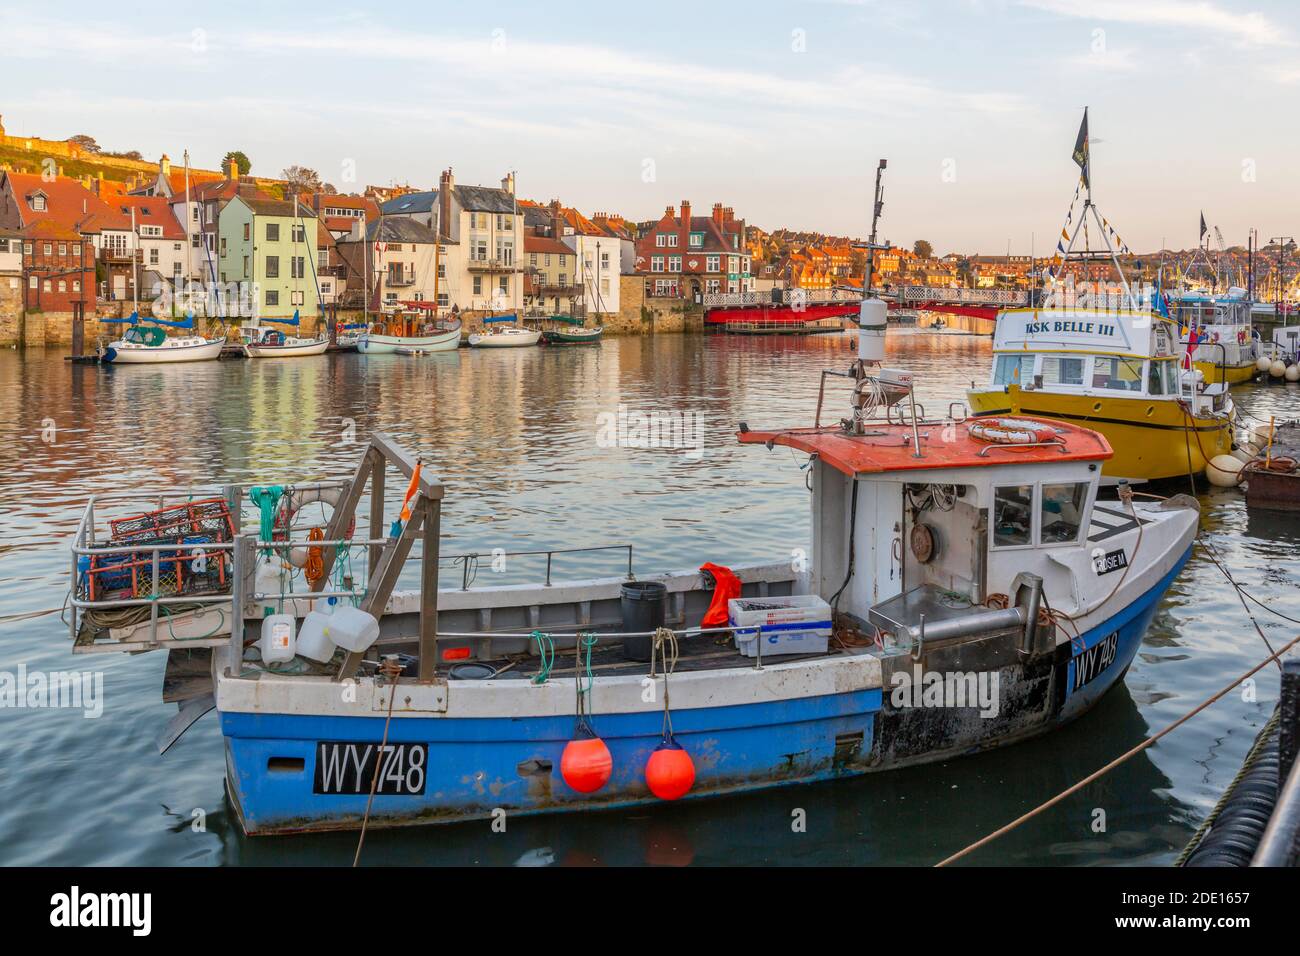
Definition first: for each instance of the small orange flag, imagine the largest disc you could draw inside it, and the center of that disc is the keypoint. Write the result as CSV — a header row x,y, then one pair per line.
x,y
410,492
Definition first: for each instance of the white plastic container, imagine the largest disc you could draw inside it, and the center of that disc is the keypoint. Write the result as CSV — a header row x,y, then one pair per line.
x,y
798,624
352,629
278,643
314,639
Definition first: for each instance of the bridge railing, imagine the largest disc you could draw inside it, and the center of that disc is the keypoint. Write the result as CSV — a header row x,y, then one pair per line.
x,y
921,293
718,300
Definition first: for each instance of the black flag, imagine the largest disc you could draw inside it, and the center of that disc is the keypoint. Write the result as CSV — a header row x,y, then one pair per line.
x,y
1204,228
1081,149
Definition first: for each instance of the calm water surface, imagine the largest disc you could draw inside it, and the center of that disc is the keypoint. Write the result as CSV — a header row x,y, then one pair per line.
x,y
513,435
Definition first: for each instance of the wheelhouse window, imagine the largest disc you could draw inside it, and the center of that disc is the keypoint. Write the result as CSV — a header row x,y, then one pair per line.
x,y
1121,374
1013,515
1061,512
1013,369
1060,370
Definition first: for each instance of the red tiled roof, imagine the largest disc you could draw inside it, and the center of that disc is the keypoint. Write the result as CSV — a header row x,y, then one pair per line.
x,y
546,244
150,211
66,200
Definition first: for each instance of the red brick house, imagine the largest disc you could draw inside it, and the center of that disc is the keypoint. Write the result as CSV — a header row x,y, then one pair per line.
x,y
58,269
683,254
54,218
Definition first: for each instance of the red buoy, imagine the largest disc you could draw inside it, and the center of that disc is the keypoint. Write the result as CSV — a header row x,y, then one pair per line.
x,y
669,772
586,764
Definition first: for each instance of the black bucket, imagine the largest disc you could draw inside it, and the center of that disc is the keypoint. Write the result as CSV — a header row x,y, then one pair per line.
x,y
643,610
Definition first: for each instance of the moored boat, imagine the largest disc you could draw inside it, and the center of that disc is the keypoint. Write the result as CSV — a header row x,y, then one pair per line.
x,y
502,332
150,344
261,342
1121,372
568,330
412,330
1218,334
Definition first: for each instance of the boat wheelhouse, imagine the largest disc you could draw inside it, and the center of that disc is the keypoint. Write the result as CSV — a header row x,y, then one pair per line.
x,y
1119,371
1224,348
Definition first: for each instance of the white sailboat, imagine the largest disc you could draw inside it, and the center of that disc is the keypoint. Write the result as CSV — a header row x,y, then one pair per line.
x,y
149,344
261,342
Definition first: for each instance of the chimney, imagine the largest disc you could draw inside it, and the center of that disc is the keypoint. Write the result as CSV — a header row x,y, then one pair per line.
x,y
232,170
445,186
508,183
717,213
557,220
164,166
686,213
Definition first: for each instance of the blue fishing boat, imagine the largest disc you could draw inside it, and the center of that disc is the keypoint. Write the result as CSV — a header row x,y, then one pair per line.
x,y
964,589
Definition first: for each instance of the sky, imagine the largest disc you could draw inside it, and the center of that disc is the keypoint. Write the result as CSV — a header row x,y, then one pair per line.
x,y
777,109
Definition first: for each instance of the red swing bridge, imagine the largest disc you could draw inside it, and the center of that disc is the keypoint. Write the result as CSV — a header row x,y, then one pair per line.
x,y
807,311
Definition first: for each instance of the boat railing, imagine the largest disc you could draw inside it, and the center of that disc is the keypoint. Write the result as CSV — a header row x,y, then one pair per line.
x,y
469,562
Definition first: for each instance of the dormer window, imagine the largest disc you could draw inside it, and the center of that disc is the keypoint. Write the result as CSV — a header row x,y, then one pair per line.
x,y
37,202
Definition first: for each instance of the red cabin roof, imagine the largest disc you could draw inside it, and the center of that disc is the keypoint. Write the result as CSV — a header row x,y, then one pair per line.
x,y
943,445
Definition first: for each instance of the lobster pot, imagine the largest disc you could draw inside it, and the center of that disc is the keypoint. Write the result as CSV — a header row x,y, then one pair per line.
x,y
209,517
872,322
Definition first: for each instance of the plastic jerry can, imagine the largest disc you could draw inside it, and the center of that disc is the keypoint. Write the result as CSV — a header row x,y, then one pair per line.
x,y
277,643
352,628
314,638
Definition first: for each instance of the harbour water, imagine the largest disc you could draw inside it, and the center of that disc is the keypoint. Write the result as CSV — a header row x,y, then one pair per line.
x,y
518,437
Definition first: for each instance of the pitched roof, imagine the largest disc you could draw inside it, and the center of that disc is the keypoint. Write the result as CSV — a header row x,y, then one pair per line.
x,y
150,211
66,200
400,229
409,203
546,244
263,206
484,199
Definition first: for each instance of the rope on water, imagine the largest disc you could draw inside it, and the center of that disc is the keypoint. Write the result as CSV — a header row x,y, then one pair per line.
x,y
1097,774
390,670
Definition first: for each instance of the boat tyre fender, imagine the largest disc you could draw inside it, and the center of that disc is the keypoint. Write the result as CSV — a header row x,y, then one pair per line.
x,y
1011,431
293,502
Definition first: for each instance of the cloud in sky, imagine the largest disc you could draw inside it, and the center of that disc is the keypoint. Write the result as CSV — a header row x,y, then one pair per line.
x,y
1250,28
728,109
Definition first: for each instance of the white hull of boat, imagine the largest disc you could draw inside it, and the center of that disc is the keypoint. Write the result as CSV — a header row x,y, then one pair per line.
x,y
370,344
294,348
189,349
505,339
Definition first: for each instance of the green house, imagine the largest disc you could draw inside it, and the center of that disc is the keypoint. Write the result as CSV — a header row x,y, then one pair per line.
x,y
268,248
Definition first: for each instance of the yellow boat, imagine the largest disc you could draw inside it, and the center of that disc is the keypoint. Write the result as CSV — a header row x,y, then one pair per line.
x,y
1226,350
1116,371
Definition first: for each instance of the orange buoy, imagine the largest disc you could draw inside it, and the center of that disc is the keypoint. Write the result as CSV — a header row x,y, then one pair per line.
x,y
586,764
669,772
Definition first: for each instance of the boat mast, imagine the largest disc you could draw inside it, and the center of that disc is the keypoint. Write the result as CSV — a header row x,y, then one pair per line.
x,y
878,205
135,275
189,242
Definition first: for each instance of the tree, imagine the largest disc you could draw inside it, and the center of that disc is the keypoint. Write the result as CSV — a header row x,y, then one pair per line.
x,y
85,142
302,180
923,249
243,163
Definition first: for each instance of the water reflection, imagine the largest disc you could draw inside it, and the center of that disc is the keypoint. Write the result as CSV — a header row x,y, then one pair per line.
x,y
513,434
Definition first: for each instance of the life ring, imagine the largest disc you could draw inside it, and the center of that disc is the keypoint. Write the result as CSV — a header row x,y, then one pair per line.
x,y
294,501
1011,431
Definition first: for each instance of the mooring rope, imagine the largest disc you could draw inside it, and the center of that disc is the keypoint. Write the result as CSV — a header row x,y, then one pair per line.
x,y
391,670
1097,774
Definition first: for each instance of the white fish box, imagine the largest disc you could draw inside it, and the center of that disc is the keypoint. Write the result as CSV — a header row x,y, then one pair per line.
x,y
799,624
